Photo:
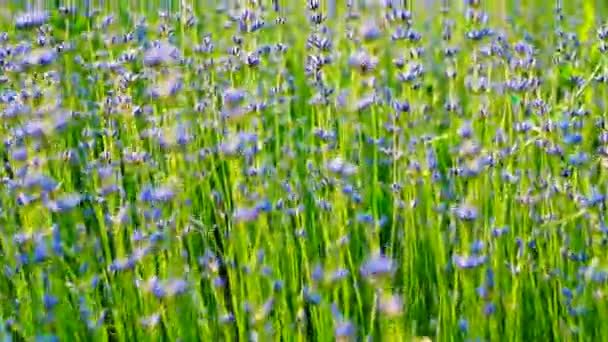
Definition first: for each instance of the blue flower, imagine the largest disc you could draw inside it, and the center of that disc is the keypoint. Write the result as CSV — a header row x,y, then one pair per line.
x,y
468,262
40,252
246,214
573,139
463,325
47,338
49,301
489,309
378,266
66,202
466,212
31,19
345,329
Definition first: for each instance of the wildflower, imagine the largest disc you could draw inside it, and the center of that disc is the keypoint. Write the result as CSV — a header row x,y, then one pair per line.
x,y
344,330
31,20
40,57
39,181
121,265
150,321
227,318
468,262
578,159
338,275
65,202
466,130
489,309
233,98
363,62
162,194
245,214
573,139
339,166
40,251
466,212
477,246
489,278
365,218
46,338
49,301
160,53
167,87
370,31
364,103
391,305
377,267
277,285
482,291
463,325
219,282
176,287
317,272
311,296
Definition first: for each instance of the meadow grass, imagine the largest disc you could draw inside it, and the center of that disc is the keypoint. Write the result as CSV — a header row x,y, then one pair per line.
x,y
225,174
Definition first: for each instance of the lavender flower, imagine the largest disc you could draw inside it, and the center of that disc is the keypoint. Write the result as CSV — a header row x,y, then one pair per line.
x,y
466,212
40,57
245,214
370,31
391,305
344,330
159,53
31,19
378,267
339,166
233,98
468,262
362,62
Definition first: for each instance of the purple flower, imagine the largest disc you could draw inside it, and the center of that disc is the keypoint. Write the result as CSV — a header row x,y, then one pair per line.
x,y
161,194
573,139
378,266
31,20
362,62
65,203
339,166
150,321
311,296
482,291
489,309
391,305
227,318
317,273
338,275
176,287
40,252
49,301
245,214
468,262
466,212
477,246
370,31
233,97
47,338
345,329
40,57
463,325
160,53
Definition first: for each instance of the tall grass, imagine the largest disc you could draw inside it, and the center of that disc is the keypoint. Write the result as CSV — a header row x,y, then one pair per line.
x,y
265,177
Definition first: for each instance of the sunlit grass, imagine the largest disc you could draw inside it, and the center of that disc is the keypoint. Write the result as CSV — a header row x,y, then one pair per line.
x,y
361,178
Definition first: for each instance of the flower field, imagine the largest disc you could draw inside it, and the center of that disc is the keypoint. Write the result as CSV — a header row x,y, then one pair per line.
x,y
304,171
